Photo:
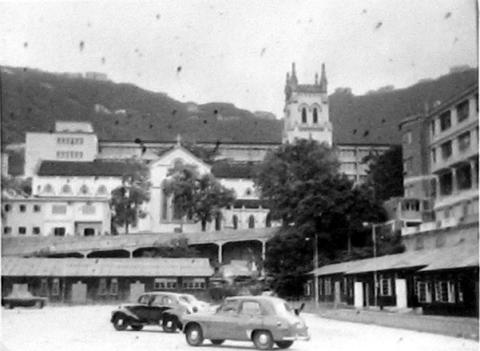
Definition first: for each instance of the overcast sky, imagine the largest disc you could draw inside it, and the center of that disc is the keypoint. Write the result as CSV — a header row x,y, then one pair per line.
x,y
239,51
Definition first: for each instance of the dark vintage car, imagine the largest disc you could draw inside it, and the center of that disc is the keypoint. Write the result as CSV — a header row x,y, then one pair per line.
x,y
156,308
265,320
23,299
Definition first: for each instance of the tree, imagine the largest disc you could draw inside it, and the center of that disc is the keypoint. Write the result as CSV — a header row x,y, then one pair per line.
x,y
302,183
200,197
127,199
18,186
386,173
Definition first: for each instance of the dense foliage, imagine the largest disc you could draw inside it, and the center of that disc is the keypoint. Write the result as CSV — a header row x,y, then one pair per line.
x,y
302,183
385,175
175,248
127,200
195,196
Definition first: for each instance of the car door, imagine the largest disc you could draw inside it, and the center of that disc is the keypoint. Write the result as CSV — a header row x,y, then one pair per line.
x,y
223,323
158,305
250,318
142,309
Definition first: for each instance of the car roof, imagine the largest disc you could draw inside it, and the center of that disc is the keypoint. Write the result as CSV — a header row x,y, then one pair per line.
x,y
161,293
271,299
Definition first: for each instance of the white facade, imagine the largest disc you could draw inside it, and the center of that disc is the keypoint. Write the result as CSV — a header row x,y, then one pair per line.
x,y
71,141
87,216
306,110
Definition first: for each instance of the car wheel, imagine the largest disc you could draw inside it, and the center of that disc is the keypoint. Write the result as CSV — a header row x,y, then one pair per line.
x,y
284,344
263,340
194,335
8,306
120,322
137,327
39,304
217,341
169,325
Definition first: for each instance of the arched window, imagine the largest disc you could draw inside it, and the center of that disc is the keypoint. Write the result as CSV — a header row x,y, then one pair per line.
x,y
102,190
268,221
304,115
48,189
218,222
251,221
164,207
235,221
84,190
315,116
66,189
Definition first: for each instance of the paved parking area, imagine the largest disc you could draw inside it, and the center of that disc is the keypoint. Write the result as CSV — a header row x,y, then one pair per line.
x,y
88,328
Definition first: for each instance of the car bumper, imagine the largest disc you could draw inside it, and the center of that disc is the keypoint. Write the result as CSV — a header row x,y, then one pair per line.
x,y
297,337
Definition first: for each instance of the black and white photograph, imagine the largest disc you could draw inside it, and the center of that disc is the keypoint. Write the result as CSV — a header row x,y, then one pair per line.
x,y
239,175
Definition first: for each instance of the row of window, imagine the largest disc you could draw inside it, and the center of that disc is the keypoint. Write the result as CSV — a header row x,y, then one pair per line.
x,y
69,141
66,189
440,290
445,119
463,141
314,115
21,230
171,283
21,208
69,154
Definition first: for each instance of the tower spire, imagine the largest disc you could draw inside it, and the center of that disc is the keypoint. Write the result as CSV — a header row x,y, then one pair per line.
x,y
294,75
323,79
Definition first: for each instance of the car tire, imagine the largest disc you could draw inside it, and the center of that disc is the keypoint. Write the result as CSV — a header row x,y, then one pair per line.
x,y
263,340
137,327
194,335
120,322
169,324
39,304
284,344
217,341
8,306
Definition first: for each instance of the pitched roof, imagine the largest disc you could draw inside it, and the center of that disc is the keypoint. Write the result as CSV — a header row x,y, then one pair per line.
x,y
451,257
110,267
83,169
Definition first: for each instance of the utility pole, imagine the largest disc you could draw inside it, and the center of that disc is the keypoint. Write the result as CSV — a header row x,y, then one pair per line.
x,y
315,266
375,282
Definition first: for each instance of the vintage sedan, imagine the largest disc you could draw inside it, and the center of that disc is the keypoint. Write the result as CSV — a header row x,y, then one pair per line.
x,y
23,299
156,308
265,320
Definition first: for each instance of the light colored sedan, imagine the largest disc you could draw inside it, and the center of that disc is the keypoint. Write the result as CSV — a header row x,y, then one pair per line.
x,y
264,320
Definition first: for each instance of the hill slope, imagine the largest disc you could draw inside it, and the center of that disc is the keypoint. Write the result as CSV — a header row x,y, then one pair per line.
x,y
33,100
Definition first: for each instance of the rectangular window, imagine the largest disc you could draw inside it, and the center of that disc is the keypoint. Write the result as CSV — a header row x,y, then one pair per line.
x,y
23,208
320,287
462,111
423,292
7,230
464,177
36,230
43,287
88,209
56,287
102,286
445,180
432,127
464,141
36,208
59,209
59,231
165,283
193,283
446,149
444,291
22,230
407,138
114,286
445,121
385,286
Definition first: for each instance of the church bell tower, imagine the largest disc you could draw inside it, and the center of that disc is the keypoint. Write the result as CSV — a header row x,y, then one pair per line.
x,y
306,110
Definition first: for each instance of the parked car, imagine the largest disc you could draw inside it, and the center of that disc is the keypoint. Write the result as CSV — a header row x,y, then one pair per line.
x,y
155,308
23,299
265,320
